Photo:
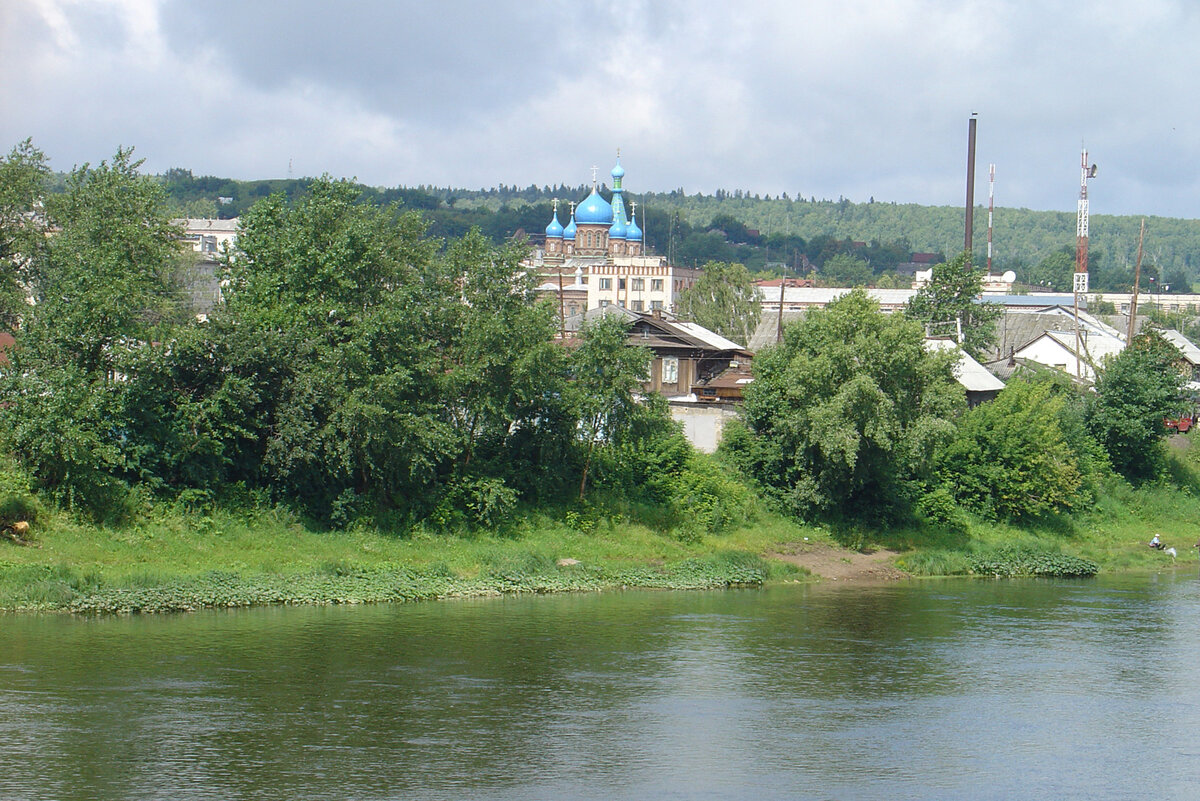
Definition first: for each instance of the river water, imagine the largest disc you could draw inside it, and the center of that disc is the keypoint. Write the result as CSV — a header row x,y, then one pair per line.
x,y
912,690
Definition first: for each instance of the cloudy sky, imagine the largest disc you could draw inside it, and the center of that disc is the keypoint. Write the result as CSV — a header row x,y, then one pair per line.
x,y
854,98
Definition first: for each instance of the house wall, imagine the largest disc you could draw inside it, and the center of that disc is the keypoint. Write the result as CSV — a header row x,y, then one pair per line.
x,y
1048,352
703,424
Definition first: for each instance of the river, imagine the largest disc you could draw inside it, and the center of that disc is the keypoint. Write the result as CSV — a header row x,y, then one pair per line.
x,y
946,689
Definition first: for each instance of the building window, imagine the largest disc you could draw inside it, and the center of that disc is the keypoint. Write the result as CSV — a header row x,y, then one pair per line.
x,y
639,284
606,283
604,303
656,305
670,370
636,305
620,283
656,285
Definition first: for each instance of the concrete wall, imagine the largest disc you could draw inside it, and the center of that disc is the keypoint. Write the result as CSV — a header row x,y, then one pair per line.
x,y
703,423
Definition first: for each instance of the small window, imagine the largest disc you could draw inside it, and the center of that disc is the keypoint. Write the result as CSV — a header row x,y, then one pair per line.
x,y
639,284
604,303
636,305
620,283
606,283
656,305
656,285
670,370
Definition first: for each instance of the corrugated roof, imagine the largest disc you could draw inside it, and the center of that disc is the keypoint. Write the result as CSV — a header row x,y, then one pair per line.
x,y
1185,345
709,337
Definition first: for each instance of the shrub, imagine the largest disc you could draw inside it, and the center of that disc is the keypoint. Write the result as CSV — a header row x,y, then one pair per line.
x,y
1016,561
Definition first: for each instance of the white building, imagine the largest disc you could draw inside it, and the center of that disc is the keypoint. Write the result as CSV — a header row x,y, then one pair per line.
x,y
209,237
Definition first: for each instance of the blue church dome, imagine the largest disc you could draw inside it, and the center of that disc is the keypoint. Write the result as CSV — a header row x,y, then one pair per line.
x,y
618,171
594,211
632,232
618,230
569,231
554,230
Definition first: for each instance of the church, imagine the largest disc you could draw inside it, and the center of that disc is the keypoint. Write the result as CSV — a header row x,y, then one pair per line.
x,y
598,258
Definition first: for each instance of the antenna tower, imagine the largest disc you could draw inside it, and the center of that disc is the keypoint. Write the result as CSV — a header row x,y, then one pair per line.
x,y
991,208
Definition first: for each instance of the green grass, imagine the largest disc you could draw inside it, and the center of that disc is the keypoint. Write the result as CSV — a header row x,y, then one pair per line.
x,y
169,558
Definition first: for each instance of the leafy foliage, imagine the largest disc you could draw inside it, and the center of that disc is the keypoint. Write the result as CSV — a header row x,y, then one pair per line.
x,y
724,300
1136,390
1010,562
846,411
23,179
949,303
1009,459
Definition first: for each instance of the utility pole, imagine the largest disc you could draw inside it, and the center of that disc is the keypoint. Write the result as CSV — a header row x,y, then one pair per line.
x,y
970,227
1137,281
1081,253
991,208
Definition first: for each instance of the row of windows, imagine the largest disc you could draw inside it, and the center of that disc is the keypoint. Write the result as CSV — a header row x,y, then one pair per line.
x,y
636,284
636,305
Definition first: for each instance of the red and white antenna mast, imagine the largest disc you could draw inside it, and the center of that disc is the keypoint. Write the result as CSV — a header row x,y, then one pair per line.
x,y
1081,250
991,208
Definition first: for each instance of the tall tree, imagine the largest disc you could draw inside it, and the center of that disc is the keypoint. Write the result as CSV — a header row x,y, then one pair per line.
x,y
607,372
103,286
950,305
1135,391
724,299
845,411
23,175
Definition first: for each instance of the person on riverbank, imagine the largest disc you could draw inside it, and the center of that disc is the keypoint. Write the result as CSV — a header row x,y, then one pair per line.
x,y
1155,542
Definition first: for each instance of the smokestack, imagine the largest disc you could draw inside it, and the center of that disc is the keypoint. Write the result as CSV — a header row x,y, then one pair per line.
x,y
970,231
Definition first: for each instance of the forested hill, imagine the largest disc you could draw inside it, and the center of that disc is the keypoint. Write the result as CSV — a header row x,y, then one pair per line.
x,y
756,230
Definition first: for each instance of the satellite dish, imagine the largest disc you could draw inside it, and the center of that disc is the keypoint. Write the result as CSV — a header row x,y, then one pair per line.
x,y
1009,276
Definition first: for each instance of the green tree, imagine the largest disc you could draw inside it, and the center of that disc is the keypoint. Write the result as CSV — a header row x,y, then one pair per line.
x,y
845,413
1010,459
724,299
1135,391
949,304
104,291
1056,271
347,309
23,176
844,270
607,373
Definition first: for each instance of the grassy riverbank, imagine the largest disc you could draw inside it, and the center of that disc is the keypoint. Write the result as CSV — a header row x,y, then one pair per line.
x,y
172,560
168,558
176,561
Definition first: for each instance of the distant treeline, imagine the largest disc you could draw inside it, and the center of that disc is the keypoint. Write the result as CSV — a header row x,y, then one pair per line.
x,y
768,233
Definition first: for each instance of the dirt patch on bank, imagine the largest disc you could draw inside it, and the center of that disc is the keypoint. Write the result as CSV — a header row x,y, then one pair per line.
x,y
839,564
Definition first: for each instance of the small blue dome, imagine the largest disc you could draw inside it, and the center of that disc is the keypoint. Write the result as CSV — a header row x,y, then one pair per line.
x,y
594,211
569,231
554,230
632,232
618,229
618,171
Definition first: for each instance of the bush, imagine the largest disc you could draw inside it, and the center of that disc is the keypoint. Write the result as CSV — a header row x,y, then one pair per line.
x,y
1009,460
1015,561
707,499
17,506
